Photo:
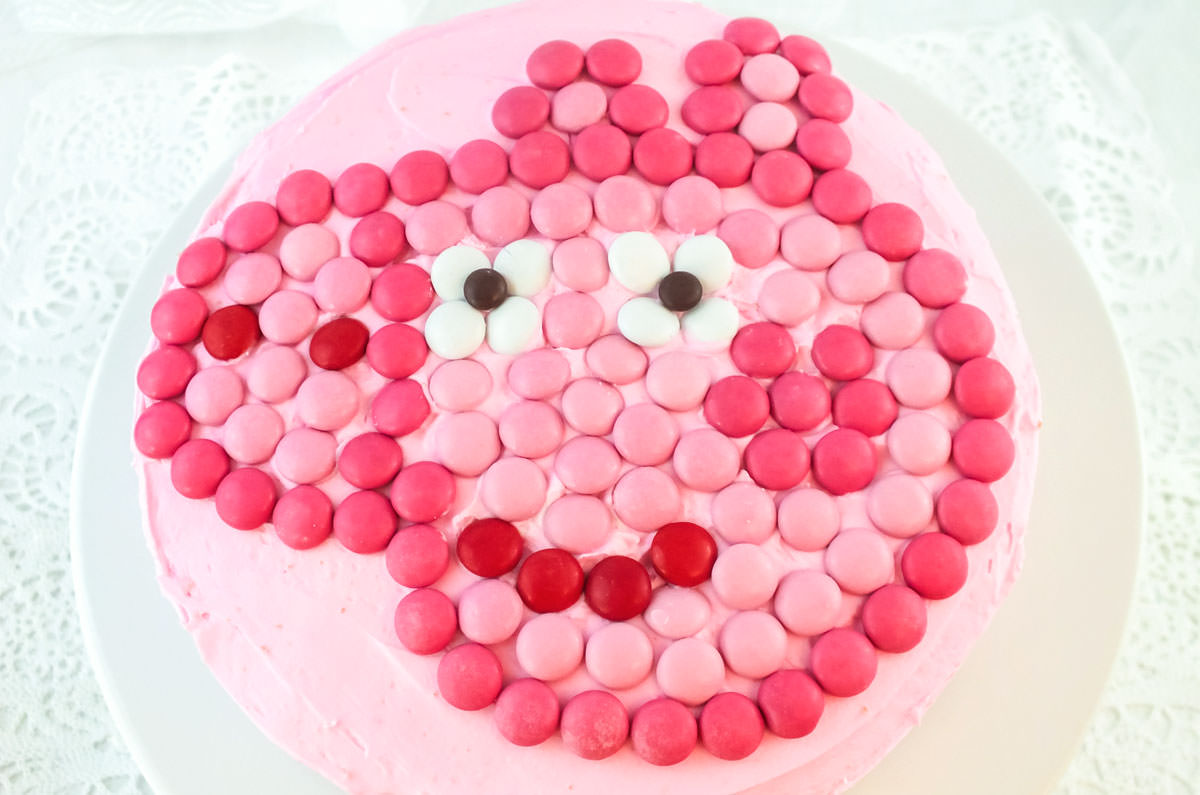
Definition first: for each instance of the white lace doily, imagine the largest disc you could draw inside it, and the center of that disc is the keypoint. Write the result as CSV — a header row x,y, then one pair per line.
x,y
114,135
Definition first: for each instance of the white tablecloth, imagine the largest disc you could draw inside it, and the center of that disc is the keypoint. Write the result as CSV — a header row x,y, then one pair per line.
x,y
114,113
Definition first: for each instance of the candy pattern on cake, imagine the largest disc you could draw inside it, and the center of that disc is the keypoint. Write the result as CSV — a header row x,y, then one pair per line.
x,y
595,390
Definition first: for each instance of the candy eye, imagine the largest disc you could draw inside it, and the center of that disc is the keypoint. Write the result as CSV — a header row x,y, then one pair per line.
x,y
485,289
679,291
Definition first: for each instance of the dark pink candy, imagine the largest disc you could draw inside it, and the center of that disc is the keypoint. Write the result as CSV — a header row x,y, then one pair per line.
x,y
178,316
865,405
198,467
662,156
469,676
417,556
423,491
726,158
823,144
425,623
520,110
893,617
527,712
251,226
984,388
378,238
165,372
711,109
791,702
799,401
934,565
637,108
967,511
842,353
370,460
843,461
613,62
245,498
594,724
752,35
736,406
663,732
304,197
303,517
478,165
762,350
713,62
963,332
731,727
935,277
402,291
397,351
843,662
161,429
781,178
399,408
806,55
361,189
777,459
841,196
540,158
554,64
983,450
364,522
826,97
893,231
419,177
602,151
201,262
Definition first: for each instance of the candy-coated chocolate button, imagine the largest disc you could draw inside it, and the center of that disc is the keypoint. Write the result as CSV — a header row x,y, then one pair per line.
x,y
577,523
549,647
683,553
706,460
983,388
377,238
983,450
198,467
250,278
808,519
489,612
690,670
823,144
662,155
843,662
489,547
419,177
212,395
303,517
304,197
613,62
520,110
591,406
399,408
580,263
841,196
934,565
713,62
805,54
858,277
305,455
425,624
338,344
601,151
287,317
625,204
201,262
229,332
577,106
768,126
894,618
776,459
527,712
554,64
364,522
893,321
417,556
423,491
781,178
763,350
711,109
726,158
250,226
865,405
478,165
826,97
731,727
572,320
842,353
637,108
753,644
677,612
165,372
513,489
799,401
178,316
587,465
245,498
677,380
692,204
843,461
770,77
967,511
645,435
539,159
744,576
550,580
899,505
791,703
616,360
275,373
435,226
252,432
963,332
305,249
810,242
161,429
919,443
619,656
860,560
594,724
459,385
561,210
751,235
531,429
362,188
469,677
736,406
892,230
808,602
935,277
646,498
663,732
618,588
752,35
919,378
466,443
397,351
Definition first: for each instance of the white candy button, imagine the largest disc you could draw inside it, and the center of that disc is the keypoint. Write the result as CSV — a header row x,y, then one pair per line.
x,y
450,270
708,259
512,325
644,321
454,330
638,261
712,321
525,265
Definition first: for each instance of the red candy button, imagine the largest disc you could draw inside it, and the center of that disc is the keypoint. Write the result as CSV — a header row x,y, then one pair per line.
x,y
614,62
304,197
763,350
963,332
520,110
245,498
397,351
713,62
364,522
251,226
823,144
777,459
683,553
378,238
402,291
423,491
338,344
935,277
370,460
540,158
161,429
984,388
967,511
841,196
843,461
229,332
725,158
865,405
554,64
934,565
425,623
806,55
601,151
791,703
637,108
826,97
731,727
303,517
843,662
894,618
198,467
983,450
799,401
550,580
781,178
736,406
842,353
478,165
893,231
618,588
490,547
662,156
361,189
201,262
399,408
419,177
752,35
711,109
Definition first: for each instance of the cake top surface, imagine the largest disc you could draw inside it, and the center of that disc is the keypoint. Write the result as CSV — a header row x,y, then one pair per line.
x,y
652,391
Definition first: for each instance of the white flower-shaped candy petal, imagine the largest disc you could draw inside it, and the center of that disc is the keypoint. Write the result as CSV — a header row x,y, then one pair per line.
x,y
455,330
512,325
450,270
644,321
638,261
708,259
525,265
713,321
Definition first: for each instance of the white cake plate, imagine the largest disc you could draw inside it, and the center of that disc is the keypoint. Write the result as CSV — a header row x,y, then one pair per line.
x,y
1007,723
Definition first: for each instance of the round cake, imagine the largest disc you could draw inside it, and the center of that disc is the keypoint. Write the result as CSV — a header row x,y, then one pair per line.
x,y
602,394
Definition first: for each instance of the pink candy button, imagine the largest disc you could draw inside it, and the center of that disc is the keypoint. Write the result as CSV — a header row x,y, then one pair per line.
x,y
287,317
736,406
893,321
752,35
781,178
561,210
361,189
591,406
899,505
616,359
646,498
328,400
637,108
466,443
841,196
678,380
275,372
470,676
549,647
744,576
245,498
843,662
808,519
770,77
842,353
513,489
423,491
342,285
843,461
663,732
397,351
713,62
594,724
858,277
580,263
935,277
587,465
178,316
619,656
613,62
554,64
305,455
860,560
743,512
662,155
419,177
370,460
601,151
799,401
934,565
459,385
677,612
304,197
378,238
982,450
753,644
805,54
777,459
645,434
711,109
983,388
303,517
425,623
364,522
791,702
577,106
706,460
919,378
731,727
808,602
197,468
305,249
166,372
919,443
690,670
963,332
531,429
212,394
251,433
539,159
527,712
894,618
762,350
201,262
894,231
161,429
826,97
417,556
967,511
572,320
435,226
768,126
478,165
500,215
823,144
577,523
399,408
250,226
865,405
538,374
810,242
625,204
726,158
752,237
489,611
520,110
692,204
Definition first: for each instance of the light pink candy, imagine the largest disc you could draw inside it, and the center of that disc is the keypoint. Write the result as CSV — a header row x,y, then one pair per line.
x,y
460,385
645,434
810,242
500,215
531,429
342,285
577,523
616,359
752,237
677,612
287,317
560,211
899,505
692,205
691,671
572,320
467,443
489,612
753,643
625,204
706,459
581,263
327,400
919,443
513,489
893,321
788,297
858,277
768,126
744,576
435,226
549,647
808,519
770,77
274,373
919,378
305,455
646,499
305,249
577,105
251,433
743,512
212,394
591,406
859,559
250,278
808,602
587,465
619,656
538,374
678,380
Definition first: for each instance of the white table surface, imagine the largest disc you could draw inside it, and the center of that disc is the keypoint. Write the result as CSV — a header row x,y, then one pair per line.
x,y
112,114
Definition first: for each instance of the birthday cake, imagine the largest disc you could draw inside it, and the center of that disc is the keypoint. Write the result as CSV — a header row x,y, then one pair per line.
x,y
605,396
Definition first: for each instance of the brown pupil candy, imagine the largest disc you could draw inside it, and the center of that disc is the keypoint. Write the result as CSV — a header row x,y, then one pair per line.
x,y
485,289
679,291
